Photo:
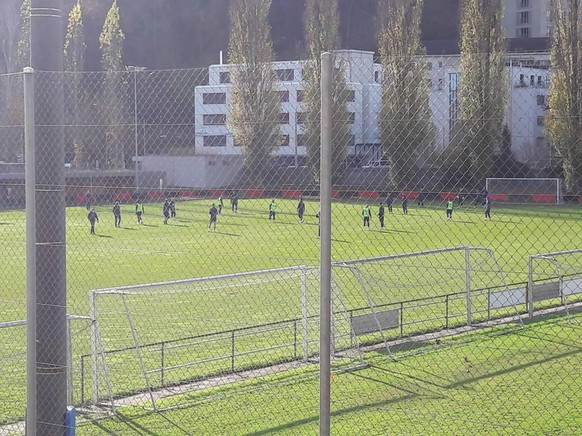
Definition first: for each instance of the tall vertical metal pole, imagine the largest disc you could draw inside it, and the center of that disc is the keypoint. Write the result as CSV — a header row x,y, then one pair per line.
x,y
51,302
468,285
325,261
30,183
135,124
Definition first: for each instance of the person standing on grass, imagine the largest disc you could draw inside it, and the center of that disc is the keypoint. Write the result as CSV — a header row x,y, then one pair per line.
x,y
139,211
460,199
172,208
234,201
366,213
450,207
117,213
487,207
389,203
381,215
301,210
88,201
220,204
166,210
92,217
213,212
405,205
272,210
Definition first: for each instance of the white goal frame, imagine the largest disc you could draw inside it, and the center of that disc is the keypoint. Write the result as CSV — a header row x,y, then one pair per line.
x,y
556,181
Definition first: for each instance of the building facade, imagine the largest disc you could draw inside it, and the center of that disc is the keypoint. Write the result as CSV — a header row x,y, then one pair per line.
x,y
527,84
527,18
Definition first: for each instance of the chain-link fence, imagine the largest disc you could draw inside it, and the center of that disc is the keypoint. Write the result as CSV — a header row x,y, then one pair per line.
x,y
456,277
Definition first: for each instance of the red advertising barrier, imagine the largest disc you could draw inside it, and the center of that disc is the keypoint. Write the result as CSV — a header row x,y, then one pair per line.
x,y
335,194
368,195
122,196
499,197
254,193
291,194
411,195
543,198
188,194
218,192
156,195
448,195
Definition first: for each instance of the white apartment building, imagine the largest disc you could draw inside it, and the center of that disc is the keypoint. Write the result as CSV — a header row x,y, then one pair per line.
x,y
527,18
527,93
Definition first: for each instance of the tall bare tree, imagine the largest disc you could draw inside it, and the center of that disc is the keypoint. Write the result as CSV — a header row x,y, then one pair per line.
x,y
322,35
482,86
564,121
111,45
406,124
254,112
74,60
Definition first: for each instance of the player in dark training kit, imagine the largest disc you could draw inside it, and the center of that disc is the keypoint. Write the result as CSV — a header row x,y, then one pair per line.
x,y
234,201
117,213
213,212
301,210
92,217
405,205
381,215
488,207
166,210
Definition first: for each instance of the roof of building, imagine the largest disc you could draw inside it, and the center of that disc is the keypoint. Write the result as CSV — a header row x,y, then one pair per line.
x,y
451,46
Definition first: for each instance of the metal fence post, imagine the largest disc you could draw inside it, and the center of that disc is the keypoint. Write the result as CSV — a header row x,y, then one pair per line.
x,y
94,346
468,285
304,314
529,289
325,261
29,152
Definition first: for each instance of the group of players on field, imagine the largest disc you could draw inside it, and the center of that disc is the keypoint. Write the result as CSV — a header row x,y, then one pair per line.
x,y
169,210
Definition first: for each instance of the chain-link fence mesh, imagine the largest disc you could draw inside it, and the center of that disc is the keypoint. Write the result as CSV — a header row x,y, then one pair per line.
x,y
192,249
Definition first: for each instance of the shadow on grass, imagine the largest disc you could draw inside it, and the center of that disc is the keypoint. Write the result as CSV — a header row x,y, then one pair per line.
x,y
226,233
6,224
149,225
104,236
128,228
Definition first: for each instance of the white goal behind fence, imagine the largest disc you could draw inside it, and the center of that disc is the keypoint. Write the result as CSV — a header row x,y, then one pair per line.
x,y
518,189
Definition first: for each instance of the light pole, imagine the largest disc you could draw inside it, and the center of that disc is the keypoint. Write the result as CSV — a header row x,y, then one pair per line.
x,y
135,70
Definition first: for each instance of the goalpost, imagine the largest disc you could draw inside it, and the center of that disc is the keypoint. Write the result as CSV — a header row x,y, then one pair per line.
x,y
150,337
554,277
547,190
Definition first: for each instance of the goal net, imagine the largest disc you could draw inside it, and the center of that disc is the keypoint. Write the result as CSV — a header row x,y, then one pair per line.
x,y
555,279
398,300
156,340
519,190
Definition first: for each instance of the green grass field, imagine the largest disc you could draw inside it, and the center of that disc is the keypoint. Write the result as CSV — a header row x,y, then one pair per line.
x,y
522,382
247,241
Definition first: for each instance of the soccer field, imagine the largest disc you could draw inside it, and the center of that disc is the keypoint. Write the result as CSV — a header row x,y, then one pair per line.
x,y
524,382
248,241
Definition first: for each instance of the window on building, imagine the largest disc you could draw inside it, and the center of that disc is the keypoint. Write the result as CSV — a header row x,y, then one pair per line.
x,y
440,85
352,141
429,65
377,76
349,95
540,81
541,100
286,74
540,121
224,77
453,99
521,80
523,3
284,118
523,32
283,96
215,141
440,64
299,95
523,17
214,98
214,119
532,80
300,140
284,141
300,117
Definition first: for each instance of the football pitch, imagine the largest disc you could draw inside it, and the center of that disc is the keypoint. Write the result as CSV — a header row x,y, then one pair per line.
x,y
248,241
524,382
